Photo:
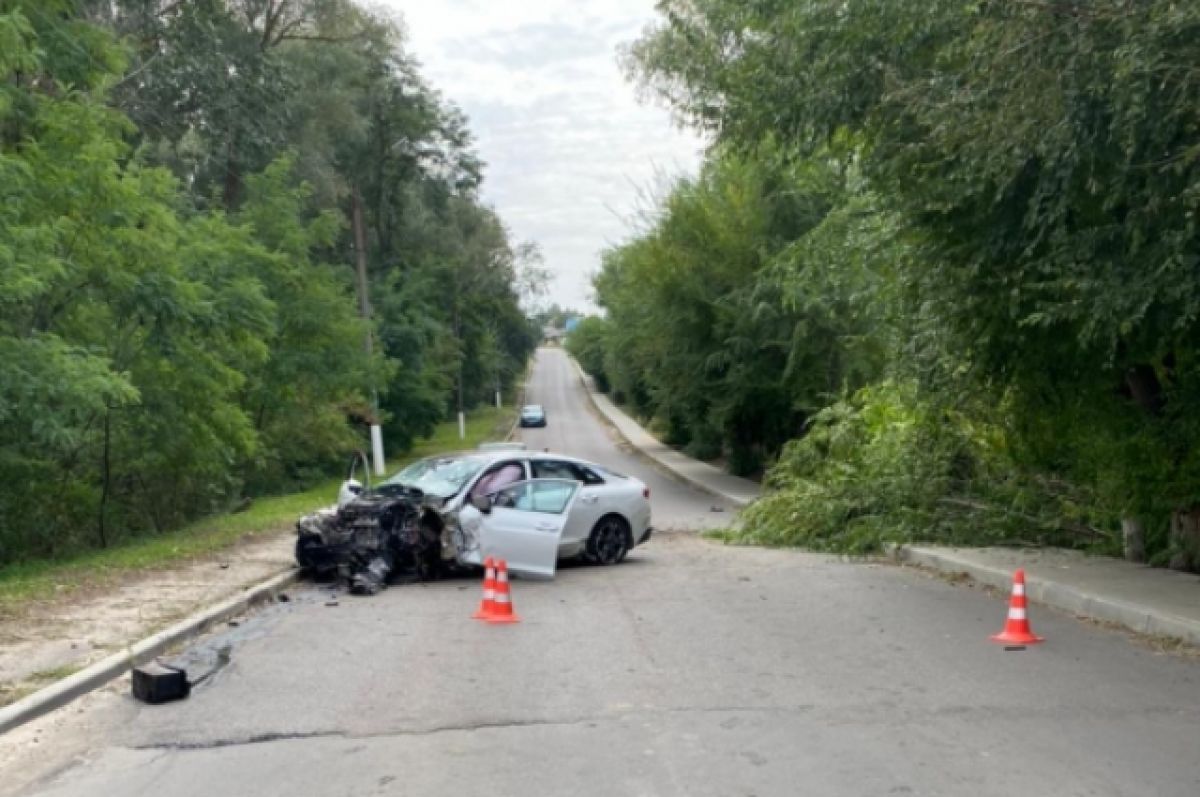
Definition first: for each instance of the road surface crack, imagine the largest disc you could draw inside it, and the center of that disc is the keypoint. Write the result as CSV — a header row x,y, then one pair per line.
x,y
265,738
467,727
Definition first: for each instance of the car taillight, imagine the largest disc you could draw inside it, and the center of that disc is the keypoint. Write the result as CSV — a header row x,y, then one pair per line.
x,y
646,493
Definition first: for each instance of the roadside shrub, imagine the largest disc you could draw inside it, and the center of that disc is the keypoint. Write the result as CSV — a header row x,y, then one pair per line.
x,y
705,443
883,466
587,344
745,459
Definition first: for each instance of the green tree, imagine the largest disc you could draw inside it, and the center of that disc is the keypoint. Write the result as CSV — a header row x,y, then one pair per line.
x,y
588,344
109,333
1041,159
178,324
727,323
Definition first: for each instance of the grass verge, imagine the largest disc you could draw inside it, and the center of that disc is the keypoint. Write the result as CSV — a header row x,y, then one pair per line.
x,y
42,580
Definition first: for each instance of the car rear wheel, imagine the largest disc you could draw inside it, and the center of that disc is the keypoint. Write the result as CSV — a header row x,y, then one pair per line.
x,y
609,541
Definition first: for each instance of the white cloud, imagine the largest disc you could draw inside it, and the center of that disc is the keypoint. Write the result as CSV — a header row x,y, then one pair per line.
x,y
566,142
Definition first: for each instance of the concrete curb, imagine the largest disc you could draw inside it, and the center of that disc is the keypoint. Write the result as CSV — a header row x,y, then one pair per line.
x,y
587,391
1080,602
519,401
512,430
699,484
96,675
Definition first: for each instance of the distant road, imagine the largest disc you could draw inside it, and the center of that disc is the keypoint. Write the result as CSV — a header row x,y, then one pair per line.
x,y
574,428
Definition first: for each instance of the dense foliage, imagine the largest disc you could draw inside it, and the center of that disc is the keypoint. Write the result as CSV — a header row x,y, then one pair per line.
x,y
981,213
179,322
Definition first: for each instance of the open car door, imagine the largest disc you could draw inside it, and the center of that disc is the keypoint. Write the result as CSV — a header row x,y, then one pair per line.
x,y
525,524
352,488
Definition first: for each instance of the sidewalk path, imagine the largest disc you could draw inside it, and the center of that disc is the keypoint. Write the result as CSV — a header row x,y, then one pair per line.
x,y
736,490
1149,600
1143,599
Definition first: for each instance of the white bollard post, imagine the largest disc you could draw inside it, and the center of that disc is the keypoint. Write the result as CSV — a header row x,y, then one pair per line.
x,y
377,448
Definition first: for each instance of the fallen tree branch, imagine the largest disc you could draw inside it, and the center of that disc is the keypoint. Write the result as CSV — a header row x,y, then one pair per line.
x,y
1073,527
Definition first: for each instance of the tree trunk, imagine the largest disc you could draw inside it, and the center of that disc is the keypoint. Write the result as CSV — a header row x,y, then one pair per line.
x,y
233,178
1134,536
462,356
1144,387
360,259
1185,539
364,301
106,480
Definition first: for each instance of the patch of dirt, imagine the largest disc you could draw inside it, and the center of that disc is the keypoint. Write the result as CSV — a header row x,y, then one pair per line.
x,y
65,634
1159,644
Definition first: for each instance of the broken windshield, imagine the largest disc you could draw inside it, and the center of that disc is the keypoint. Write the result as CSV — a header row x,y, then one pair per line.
x,y
439,476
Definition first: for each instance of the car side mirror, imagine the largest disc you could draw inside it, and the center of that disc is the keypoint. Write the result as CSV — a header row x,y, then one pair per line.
x,y
351,489
482,503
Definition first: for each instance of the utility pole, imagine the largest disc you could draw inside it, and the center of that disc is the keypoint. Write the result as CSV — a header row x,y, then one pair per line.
x,y
495,336
462,414
364,310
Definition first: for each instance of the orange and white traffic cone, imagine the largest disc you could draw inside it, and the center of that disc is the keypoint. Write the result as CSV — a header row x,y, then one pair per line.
x,y
487,606
502,611
1016,629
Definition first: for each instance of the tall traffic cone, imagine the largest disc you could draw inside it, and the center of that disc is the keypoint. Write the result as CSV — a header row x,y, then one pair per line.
x,y
487,606
502,599
1016,629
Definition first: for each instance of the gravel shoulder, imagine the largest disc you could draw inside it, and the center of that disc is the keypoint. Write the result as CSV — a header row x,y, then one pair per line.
x,y
49,639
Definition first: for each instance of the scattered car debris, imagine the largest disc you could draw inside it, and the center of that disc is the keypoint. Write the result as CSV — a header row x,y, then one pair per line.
x,y
156,683
363,542
369,535
371,578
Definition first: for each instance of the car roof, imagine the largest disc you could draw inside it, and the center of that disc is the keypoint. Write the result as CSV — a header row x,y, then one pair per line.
x,y
494,455
502,445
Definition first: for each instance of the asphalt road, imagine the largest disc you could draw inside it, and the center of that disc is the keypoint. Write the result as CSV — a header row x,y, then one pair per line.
x,y
692,669
573,427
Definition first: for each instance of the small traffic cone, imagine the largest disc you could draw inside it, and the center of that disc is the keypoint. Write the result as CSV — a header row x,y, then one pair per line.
x,y
1016,629
487,606
502,611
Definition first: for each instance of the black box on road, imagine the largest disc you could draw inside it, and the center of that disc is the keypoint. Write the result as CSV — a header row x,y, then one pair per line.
x,y
160,683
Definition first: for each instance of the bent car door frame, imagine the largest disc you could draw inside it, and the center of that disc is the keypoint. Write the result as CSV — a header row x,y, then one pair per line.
x,y
525,524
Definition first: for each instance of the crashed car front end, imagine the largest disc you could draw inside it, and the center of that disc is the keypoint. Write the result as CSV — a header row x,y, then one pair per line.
x,y
371,539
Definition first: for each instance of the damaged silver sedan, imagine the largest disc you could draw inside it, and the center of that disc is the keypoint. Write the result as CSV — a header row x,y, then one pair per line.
x,y
447,512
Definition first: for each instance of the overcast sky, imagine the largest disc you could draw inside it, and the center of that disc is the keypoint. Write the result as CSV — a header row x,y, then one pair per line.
x,y
566,141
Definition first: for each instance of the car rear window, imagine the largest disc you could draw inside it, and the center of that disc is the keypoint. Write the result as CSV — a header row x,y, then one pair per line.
x,y
591,476
561,469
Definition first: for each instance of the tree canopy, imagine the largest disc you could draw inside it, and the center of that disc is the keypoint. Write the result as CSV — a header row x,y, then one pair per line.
x,y
993,203
180,324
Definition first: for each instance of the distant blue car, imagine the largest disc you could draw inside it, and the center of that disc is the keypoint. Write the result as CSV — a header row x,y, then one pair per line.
x,y
533,415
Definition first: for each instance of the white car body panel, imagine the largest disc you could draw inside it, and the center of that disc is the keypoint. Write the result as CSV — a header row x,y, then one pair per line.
x,y
587,510
619,495
525,530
